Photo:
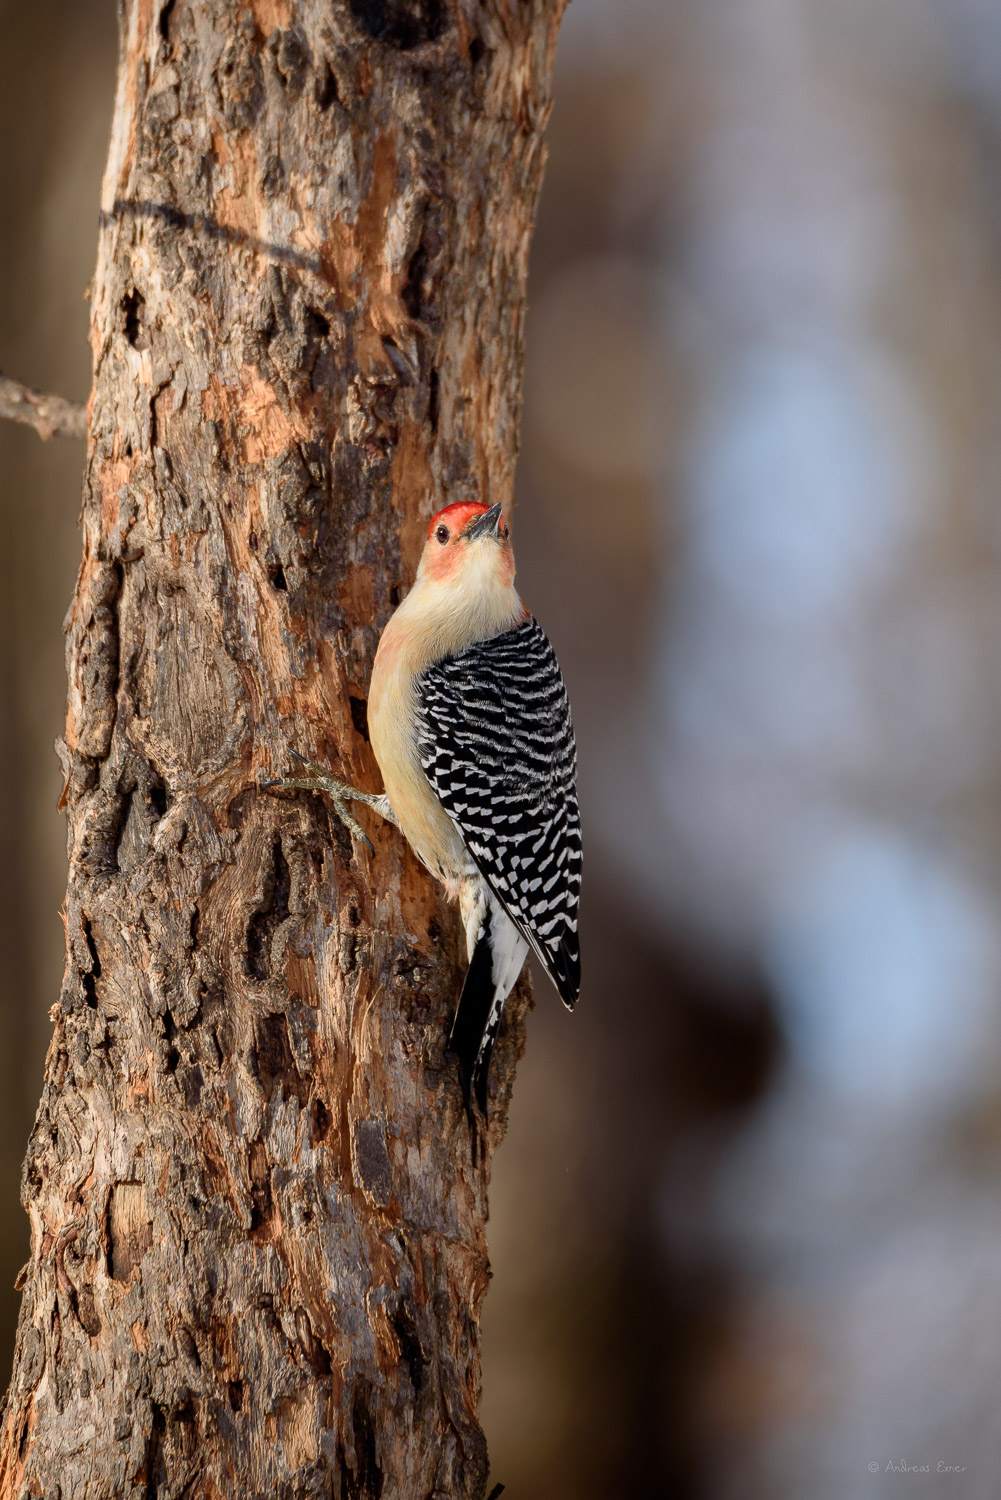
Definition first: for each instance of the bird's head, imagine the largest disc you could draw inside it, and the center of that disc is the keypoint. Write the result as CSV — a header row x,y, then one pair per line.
x,y
468,545
464,590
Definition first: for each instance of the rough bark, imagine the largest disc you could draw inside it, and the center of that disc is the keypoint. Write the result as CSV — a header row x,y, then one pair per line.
x,y
258,1250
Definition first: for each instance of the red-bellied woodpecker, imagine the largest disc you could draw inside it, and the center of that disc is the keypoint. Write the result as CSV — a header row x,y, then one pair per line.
x,y
470,725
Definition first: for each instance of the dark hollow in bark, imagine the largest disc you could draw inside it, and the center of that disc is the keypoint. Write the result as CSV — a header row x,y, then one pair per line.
x,y
258,1252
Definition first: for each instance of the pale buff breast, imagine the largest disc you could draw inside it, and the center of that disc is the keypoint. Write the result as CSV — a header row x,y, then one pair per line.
x,y
391,715
437,619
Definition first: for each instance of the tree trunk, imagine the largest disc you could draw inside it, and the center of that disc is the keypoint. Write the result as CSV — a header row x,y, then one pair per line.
x,y
258,1250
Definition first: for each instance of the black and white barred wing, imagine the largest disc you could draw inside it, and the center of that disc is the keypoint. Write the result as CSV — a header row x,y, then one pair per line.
x,y
497,746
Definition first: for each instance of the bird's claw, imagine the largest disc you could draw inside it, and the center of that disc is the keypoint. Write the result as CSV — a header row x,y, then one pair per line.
x,y
319,779
353,827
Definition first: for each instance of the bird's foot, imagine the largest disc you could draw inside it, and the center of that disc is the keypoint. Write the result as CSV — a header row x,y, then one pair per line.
x,y
317,778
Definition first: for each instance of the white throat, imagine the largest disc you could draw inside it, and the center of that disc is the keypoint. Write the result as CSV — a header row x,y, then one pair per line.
x,y
472,605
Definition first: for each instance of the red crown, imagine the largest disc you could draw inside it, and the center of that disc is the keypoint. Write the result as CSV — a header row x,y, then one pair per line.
x,y
456,516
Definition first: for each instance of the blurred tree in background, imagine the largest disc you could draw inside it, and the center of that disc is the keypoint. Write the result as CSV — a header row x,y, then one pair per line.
x,y
744,1223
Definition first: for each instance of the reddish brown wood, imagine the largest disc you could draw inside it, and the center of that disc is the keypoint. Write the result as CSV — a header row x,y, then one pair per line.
x,y
258,1254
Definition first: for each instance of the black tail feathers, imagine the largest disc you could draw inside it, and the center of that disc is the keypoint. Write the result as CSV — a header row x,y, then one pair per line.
x,y
563,965
472,1037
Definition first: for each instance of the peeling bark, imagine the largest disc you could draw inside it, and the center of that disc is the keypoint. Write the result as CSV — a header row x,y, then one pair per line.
x,y
258,1251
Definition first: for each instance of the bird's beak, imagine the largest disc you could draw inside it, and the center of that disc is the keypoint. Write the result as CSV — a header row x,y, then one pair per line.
x,y
486,524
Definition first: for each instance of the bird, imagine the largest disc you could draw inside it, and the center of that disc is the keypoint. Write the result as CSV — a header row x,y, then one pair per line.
x,y
470,725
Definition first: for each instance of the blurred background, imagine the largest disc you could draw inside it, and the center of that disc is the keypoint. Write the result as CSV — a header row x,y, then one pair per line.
x,y
746,1226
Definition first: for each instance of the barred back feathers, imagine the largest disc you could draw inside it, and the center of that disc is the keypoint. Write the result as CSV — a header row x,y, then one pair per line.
x,y
496,743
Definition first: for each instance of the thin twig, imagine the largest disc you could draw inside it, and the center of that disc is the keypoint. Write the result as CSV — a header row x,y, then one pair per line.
x,y
50,416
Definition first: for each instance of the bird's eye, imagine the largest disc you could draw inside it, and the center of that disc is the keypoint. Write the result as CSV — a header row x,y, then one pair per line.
x,y
442,534
502,532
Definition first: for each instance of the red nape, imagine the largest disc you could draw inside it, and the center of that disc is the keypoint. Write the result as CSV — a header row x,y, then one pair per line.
x,y
456,516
